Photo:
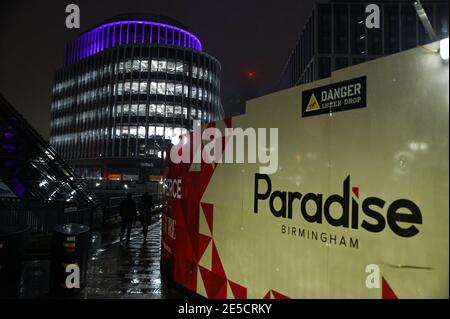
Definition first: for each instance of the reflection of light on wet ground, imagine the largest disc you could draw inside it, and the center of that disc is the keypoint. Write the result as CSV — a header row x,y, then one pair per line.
x,y
156,281
117,270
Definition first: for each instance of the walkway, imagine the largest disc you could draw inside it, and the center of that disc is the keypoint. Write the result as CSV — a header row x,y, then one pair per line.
x,y
117,270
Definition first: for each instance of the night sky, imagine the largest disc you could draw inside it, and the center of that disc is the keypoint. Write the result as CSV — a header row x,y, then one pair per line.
x,y
245,36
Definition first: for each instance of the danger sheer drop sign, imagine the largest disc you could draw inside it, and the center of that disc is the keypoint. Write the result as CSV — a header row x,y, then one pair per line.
x,y
341,96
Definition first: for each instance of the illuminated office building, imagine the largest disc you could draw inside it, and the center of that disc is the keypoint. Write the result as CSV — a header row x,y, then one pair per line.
x,y
127,89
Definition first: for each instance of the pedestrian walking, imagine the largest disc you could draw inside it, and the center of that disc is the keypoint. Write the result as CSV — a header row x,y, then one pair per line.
x,y
128,215
145,212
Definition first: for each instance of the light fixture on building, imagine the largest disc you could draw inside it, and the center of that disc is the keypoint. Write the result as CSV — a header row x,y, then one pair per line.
x,y
43,183
443,49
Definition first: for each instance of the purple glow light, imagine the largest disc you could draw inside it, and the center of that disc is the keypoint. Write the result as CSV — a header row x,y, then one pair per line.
x,y
96,40
8,147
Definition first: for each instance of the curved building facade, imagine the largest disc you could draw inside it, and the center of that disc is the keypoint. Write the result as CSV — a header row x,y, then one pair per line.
x,y
128,87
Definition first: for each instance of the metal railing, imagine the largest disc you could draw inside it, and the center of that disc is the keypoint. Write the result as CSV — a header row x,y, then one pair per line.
x,y
42,218
111,207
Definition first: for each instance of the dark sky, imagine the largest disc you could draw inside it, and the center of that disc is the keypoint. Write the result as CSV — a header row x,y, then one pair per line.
x,y
242,34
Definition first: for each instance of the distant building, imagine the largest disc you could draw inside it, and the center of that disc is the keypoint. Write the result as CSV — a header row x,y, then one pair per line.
x,y
128,87
335,36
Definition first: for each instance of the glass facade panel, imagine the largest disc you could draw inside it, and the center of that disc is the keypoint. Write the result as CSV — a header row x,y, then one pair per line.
x,y
391,29
341,29
357,29
160,110
442,20
324,28
340,63
152,110
324,67
168,134
169,110
408,29
159,131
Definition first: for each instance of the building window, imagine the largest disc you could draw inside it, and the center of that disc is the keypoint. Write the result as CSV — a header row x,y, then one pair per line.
x,y
423,36
340,28
442,21
375,38
391,29
408,26
324,28
358,61
340,63
357,29
324,67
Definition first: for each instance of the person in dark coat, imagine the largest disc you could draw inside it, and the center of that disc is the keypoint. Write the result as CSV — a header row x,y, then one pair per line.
x,y
128,214
145,212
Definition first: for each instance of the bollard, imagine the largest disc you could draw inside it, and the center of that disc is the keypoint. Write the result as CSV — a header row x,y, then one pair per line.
x,y
70,253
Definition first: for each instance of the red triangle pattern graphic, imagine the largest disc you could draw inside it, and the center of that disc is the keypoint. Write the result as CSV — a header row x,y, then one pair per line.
x,y
215,286
189,245
228,121
216,263
239,292
203,242
275,294
386,290
208,212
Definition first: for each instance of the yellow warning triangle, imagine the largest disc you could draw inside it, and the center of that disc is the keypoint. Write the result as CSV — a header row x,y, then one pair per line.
x,y
312,104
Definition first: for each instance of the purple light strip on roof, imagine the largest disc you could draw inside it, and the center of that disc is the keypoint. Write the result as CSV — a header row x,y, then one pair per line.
x,y
103,39
95,41
151,34
166,32
128,33
120,33
107,38
114,35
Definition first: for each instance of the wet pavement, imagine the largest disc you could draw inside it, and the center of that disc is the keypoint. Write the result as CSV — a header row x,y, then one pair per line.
x,y
118,270
115,270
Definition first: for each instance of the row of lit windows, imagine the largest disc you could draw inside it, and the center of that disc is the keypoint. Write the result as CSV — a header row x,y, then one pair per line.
x,y
61,121
165,66
140,131
160,109
163,88
125,131
156,87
